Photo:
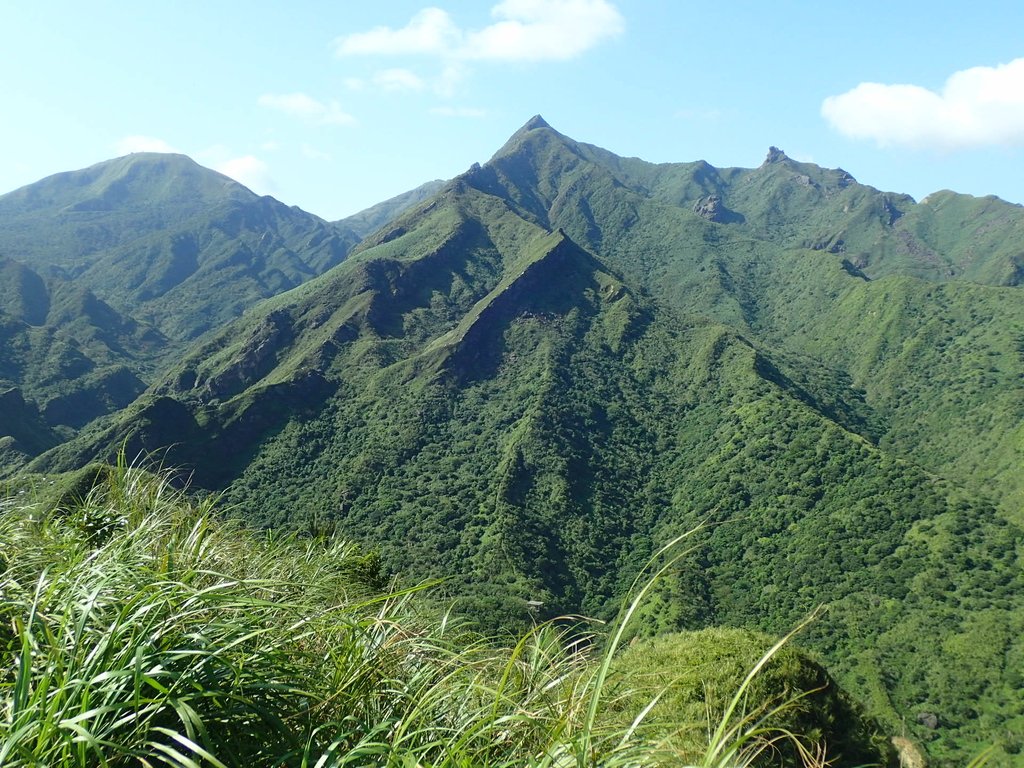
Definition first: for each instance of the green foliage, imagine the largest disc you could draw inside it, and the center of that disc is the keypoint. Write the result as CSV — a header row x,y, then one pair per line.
x,y
137,628
565,356
692,678
119,264
70,358
160,238
376,216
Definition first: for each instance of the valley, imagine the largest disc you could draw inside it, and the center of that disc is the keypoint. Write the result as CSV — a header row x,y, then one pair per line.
x,y
526,380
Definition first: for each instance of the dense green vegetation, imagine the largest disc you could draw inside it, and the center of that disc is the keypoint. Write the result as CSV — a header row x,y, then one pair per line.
x,y
170,243
376,216
694,673
68,358
135,627
106,273
526,382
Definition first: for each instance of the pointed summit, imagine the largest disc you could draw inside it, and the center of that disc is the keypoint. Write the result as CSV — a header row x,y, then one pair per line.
x,y
775,155
536,128
535,122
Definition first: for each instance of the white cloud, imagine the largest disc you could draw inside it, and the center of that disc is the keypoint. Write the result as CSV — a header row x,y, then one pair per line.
x,y
524,30
130,144
976,107
429,31
250,171
458,112
543,30
398,80
450,79
307,108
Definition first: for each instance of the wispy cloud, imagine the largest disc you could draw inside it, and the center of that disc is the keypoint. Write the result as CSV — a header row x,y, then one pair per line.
x,y
398,80
250,171
976,107
473,112
130,144
306,108
429,31
543,30
447,84
524,30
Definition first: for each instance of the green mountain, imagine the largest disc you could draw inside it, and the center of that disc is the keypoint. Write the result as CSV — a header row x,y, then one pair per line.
x,y
68,358
376,216
529,381
107,272
23,433
159,237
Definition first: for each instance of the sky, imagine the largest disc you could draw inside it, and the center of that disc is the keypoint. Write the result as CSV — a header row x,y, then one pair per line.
x,y
334,106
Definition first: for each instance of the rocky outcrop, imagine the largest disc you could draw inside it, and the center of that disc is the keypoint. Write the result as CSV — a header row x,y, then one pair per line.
x,y
712,208
255,360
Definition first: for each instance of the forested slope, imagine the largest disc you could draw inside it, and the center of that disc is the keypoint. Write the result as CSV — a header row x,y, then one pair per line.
x,y
529,381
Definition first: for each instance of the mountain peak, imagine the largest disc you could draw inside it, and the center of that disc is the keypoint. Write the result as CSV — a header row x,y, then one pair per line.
x,y
535,122
775,155
152,157
535,129
160,177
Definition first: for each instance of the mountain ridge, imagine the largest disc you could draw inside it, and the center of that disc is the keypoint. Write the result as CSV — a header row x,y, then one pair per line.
x,y
528,380
163,238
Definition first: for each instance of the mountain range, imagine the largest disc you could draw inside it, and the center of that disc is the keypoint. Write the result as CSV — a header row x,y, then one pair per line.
x,y
528,378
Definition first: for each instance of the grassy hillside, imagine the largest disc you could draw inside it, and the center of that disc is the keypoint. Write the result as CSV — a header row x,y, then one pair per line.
x,y
138,628
107,272
528,381
67,358
159,237
490,403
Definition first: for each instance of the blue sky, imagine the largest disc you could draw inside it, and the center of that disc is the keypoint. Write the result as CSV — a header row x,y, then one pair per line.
x,y
333,106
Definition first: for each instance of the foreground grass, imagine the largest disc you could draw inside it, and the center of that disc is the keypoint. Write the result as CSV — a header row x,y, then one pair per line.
x,y
135,628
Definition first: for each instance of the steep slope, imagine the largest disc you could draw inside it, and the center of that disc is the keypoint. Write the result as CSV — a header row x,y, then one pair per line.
x,y
163,239
607,199
148,236
23,293
368,221
23,433
66,358
563,359
804,259
529,381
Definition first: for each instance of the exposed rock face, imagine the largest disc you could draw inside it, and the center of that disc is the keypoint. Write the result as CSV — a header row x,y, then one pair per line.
x,y
713,209
256,358
928,719
891,212
708,207
775,155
